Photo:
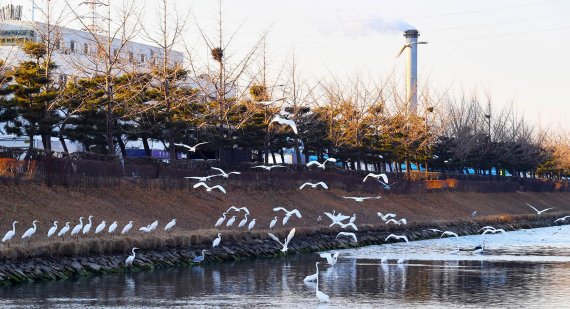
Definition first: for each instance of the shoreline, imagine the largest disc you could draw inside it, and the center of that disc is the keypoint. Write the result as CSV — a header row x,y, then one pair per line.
x,y
178,251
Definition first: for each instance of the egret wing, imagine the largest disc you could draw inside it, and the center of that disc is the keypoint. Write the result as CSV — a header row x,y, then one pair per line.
x,y
275,238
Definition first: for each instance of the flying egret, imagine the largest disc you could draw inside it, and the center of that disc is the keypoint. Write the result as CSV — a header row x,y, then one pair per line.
x,y
216,241
287,240
78,227
284,121
131,258
243,221
100,227
493,231
288,213
251,224
112,227
320,165
191,148
87,226
170,225
487,227
538,212
349,234
231,221
434,230
153,225
201,178
336,218
63,230
10,233
561,219
473,214
268,167
31,231
221,220
200,258
398,237
385,217
342,225
362,199
448,233
273,222
127,227
331,258
322,297
398,222
267,103
377,176
52,229
208,188
224,174
314,185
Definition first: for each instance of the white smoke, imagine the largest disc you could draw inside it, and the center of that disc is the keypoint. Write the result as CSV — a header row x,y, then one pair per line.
x,y
378,24
362,26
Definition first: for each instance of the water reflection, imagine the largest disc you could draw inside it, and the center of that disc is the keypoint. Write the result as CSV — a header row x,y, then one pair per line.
x,y
434,280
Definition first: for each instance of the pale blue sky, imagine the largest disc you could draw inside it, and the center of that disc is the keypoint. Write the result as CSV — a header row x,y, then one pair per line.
x,y
518,49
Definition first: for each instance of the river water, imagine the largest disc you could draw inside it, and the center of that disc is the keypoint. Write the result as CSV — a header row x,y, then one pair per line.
x,y
527,269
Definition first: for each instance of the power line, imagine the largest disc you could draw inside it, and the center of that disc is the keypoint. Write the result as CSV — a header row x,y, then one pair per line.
x,y
501,35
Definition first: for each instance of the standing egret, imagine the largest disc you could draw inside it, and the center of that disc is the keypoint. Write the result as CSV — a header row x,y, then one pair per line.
x,y
170,225
221,220
10,233
331,258
352,219
273,222
243,221
100,227
78,227
31,231
87,226
216,241
153,226
52,229
127,227
63,231
322,297
231,221
112,227
287,240
200,258
131,258
251,224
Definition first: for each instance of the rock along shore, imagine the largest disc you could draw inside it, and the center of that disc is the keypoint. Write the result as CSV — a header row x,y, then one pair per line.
x,y
306,240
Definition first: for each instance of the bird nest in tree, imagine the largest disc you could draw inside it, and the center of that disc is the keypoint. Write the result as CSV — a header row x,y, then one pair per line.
x,y
217,54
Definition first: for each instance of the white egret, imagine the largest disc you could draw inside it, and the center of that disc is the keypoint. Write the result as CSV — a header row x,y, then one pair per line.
x,y
78,227
320,165
224,174
200,258
352,219
314,185
127,227
384,260
401,261
479,249
52,229
349,234
322,297
131,258
63,230
100,227
434,230
231,221
398,237
398,222
10,233
342,225
377,176
287,240
170,225
243,221
448,233
362,199
561,219
273,222
311,278
538,212
145,229
208,188
112,227
488,227
284,121
201,178
268,167
493,231
288,213
153,225
216,241
251,224
191,148
335,218
385,217
221,220
87,226
31,231
331,258
238,209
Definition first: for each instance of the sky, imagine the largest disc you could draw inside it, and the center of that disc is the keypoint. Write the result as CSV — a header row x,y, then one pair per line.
x,y
517,50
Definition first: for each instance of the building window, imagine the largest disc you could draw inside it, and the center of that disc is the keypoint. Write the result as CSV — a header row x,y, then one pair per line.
x,y
131,56
143,58
57,44
86,48
72,46
62,80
